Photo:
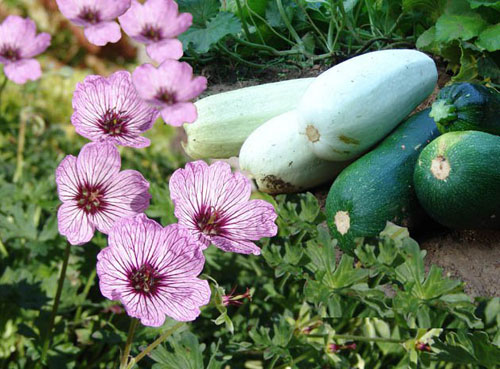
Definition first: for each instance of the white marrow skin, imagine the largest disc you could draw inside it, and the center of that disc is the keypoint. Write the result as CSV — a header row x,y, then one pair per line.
x,y
355,104
225,120
280,161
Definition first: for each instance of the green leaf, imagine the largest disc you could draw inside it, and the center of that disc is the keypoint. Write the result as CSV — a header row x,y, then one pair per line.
x,y
187,353
427,40
201,10
201,39
435,285
468,66
451,27
489,39
346,275
495,4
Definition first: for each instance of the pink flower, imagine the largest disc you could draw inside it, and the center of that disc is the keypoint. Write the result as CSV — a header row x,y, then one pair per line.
x,y
110,109
97,16
170,87
95,194
214,205
153,271
19,43
157,23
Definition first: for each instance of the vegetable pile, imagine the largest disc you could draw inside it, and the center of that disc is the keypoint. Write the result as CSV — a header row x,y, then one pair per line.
x,y
324,128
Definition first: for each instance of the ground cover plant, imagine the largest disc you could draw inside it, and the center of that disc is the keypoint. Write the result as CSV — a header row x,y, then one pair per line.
x,y
119,251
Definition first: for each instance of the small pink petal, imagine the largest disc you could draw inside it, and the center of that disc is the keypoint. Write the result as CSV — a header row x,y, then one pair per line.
x,y
132,20
146,81
102,33
69,8
40,43
110,9
165,49
178,114
178,26
191,89
23,70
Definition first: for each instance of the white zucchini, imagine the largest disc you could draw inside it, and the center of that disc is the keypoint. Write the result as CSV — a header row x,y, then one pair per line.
x,y
225,120
355,104
279,160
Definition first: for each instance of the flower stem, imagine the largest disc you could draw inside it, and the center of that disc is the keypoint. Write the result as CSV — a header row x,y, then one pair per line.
x,y
128,345
350,337
57,298
150,348
2,87
86,289
20,147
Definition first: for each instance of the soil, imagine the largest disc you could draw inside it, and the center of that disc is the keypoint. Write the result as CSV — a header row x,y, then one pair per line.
x,y
471,256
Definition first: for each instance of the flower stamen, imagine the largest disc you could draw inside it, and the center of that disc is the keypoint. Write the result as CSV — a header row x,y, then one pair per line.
x,y
144,280
90,199
152,33
10,53
89,15
166,96
114,123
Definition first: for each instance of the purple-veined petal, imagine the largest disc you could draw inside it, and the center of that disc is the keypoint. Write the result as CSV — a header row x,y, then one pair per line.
x,y
74,224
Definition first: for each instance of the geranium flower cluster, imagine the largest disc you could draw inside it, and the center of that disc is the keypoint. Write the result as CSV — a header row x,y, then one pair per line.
x,y
19,44
152,270
155,23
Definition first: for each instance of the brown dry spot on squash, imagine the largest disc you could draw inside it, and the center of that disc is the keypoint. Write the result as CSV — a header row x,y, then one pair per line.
x,y
312,133
440,167
348,140
342,222
275,185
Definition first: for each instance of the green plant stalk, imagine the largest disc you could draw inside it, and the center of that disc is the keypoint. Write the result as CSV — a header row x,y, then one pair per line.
x,y
269,49
289,26
257,30
3,250
251,12
243,21
273,362
2,87
128,345
20,148
235,56
311,22
57,298
152,346
85,292
298,359
350,337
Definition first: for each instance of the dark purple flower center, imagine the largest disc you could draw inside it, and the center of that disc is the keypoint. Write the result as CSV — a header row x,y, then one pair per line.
x,y
114,123
166,96
152,33
145,280
209,221
10,53
89,15
91,198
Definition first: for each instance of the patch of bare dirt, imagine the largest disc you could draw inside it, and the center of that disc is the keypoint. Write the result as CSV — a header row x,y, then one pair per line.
x,y
471,256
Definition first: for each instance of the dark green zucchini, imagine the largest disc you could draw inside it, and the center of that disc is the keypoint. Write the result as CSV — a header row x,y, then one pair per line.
x,y
457,180
467,106
378,187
